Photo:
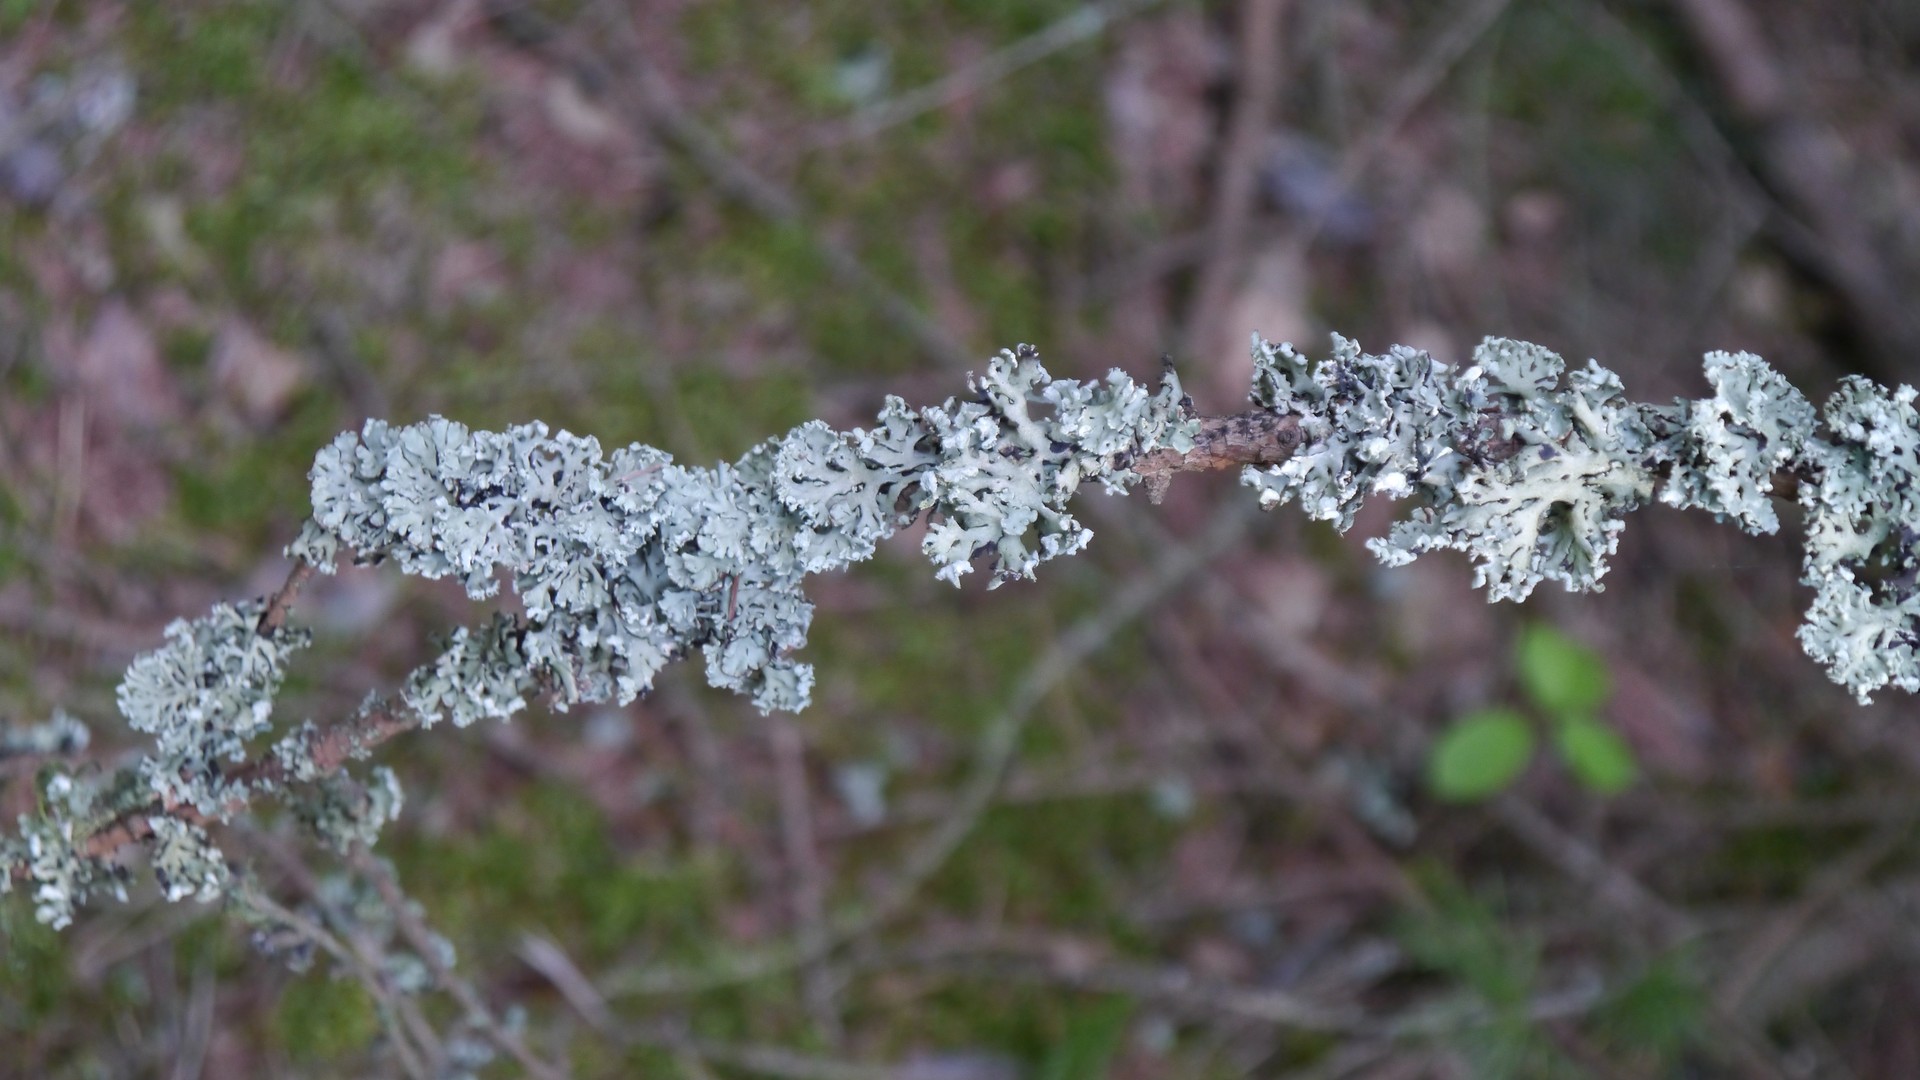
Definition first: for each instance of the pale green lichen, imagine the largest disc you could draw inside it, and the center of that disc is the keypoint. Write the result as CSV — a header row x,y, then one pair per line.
x,y
203,696
57,736
1754,425
1528,479
625,562
1530,473
342,812
1863,539
52,849
185,860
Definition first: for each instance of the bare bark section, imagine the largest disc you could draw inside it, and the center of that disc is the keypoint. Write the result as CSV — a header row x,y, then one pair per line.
x,y
1224,442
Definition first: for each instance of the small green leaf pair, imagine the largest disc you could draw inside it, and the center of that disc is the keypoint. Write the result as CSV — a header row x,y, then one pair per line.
x,y
1485,751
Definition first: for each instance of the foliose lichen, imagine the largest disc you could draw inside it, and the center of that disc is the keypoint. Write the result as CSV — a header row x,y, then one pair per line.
x,y
1863,539
203,696
343,812
58,735
185,860
52,849
1530,469
627,561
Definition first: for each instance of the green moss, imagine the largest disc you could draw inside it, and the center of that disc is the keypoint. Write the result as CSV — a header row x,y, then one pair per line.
x,y
183,54
1660,1013
549,863
1066,863
728,414
14,14
1776,861
33,969
253,495
315,151
323,1019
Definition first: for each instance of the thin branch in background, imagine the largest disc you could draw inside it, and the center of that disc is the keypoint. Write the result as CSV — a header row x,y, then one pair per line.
x,y
1083,23
640,87
994,957
1465,26
1836,879
425,945
1802,157
368,966
1465,29
391,1007
545,956
197,1025
801,848
1236,185
554,965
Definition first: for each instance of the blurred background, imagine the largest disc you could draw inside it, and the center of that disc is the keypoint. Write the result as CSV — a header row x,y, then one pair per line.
x,y
1221,797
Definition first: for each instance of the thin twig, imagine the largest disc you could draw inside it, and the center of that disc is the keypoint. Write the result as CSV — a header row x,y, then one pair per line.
x,y
281,602
1213,999
421,940
647,95
1237,183
1751,964
1802,157
1224,442
368,974
1081,24
801,844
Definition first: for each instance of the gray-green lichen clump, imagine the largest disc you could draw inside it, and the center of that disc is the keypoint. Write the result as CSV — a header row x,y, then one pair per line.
x,y
1529,469
627,561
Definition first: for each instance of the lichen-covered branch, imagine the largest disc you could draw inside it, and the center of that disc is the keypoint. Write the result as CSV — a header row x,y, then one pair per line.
x,y
624,562
1530,469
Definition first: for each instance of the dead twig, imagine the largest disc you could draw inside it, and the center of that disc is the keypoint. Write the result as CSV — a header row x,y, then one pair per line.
x,y
423,943
1224,442
644,92
1082,24
1237,182
801,844
1805,160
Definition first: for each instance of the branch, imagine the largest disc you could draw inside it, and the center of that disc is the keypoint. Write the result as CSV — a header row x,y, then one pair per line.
x,y
1255,438
627,561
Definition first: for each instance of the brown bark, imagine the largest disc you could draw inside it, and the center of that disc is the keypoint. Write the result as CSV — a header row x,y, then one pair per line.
x,y
1224,442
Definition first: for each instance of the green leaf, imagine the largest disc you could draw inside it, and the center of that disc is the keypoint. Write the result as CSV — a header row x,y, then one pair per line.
x,y
1597,755
1480,755
1561,675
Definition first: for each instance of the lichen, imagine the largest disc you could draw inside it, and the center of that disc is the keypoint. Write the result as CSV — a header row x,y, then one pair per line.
x,y
185,860
342,812
626,562
51,847
203,696
56,736
1526,477
1754,424
1863,539
1530,471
